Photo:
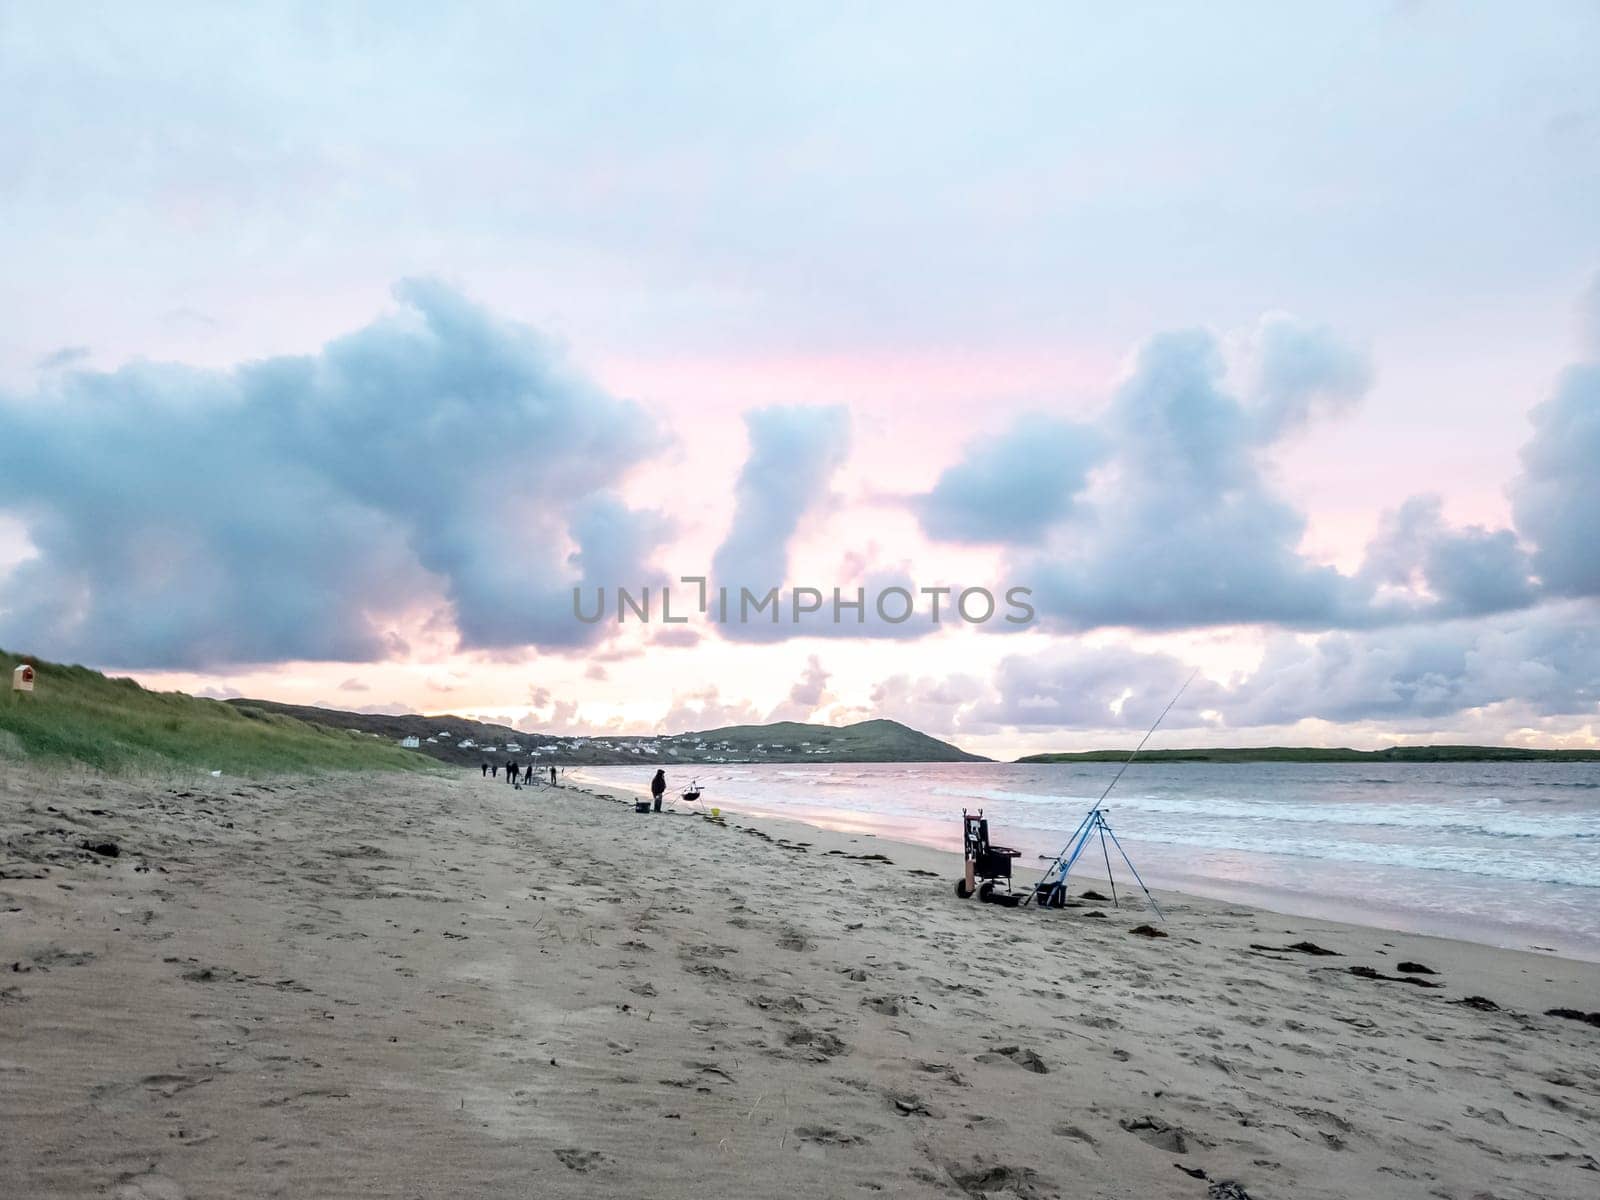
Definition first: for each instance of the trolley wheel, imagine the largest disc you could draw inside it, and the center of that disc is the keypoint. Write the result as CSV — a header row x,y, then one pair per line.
x,y
986,890
961,889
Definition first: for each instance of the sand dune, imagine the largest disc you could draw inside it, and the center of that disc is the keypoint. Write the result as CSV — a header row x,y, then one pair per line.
x,y
444,987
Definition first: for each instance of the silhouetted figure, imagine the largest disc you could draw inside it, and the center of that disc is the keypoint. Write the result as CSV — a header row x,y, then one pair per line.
x,y
494,770
485,770
658,786
528,777
552,774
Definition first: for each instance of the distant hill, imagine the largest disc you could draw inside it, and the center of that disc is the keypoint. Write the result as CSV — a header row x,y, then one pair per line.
x,y
866,741
79,715
1247,754
466,742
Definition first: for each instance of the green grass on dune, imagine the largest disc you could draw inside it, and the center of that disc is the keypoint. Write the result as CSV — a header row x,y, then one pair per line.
x,y
79,715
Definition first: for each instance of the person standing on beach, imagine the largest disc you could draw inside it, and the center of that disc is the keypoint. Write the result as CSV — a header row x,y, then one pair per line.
x,y
552,774
485,767
494,770
527,778
658,786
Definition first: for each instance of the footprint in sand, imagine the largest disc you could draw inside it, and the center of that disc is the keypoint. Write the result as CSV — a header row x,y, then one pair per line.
x,y
826,1135
818,1044
1016,1056
1158,1133
888,1006
581,1161
981,1178
945,1071
1074,1133
909,1104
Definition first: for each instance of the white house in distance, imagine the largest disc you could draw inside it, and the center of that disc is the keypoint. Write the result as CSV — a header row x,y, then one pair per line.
x,y
411,742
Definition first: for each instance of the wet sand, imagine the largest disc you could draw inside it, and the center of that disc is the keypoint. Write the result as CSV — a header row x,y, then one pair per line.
x,y
447,987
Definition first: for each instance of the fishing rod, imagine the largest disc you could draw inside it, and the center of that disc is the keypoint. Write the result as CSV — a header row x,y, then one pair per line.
x,y
1095,820
1146,737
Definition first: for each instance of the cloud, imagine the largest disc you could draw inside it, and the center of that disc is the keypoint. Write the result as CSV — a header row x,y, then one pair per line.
x,y
873,602
1302,372
678,637
704,708
809,693
1546,662
395,708
794,452
1549,660
1589,319
1071,685
1465,572
67,356
296,507
932,705
353,685
1181,527
1187,531
1556,499
555,717
1014,487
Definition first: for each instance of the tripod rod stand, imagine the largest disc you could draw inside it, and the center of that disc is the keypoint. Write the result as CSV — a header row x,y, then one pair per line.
x,y
1093,824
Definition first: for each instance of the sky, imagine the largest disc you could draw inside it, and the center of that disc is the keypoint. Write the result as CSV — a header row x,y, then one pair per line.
x,y
339,345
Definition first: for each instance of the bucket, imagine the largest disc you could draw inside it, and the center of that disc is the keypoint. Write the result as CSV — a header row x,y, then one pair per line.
x,y
641,806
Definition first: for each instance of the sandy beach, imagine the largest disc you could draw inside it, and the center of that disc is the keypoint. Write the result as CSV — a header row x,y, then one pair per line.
x,y
440,986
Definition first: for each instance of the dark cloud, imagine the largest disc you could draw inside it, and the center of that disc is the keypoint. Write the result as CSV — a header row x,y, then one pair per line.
x,y
294,507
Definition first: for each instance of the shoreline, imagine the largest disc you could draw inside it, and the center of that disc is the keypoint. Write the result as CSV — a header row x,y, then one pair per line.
x,y
1262,897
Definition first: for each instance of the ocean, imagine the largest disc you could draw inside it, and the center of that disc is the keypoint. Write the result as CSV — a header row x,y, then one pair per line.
x,y
1502,853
